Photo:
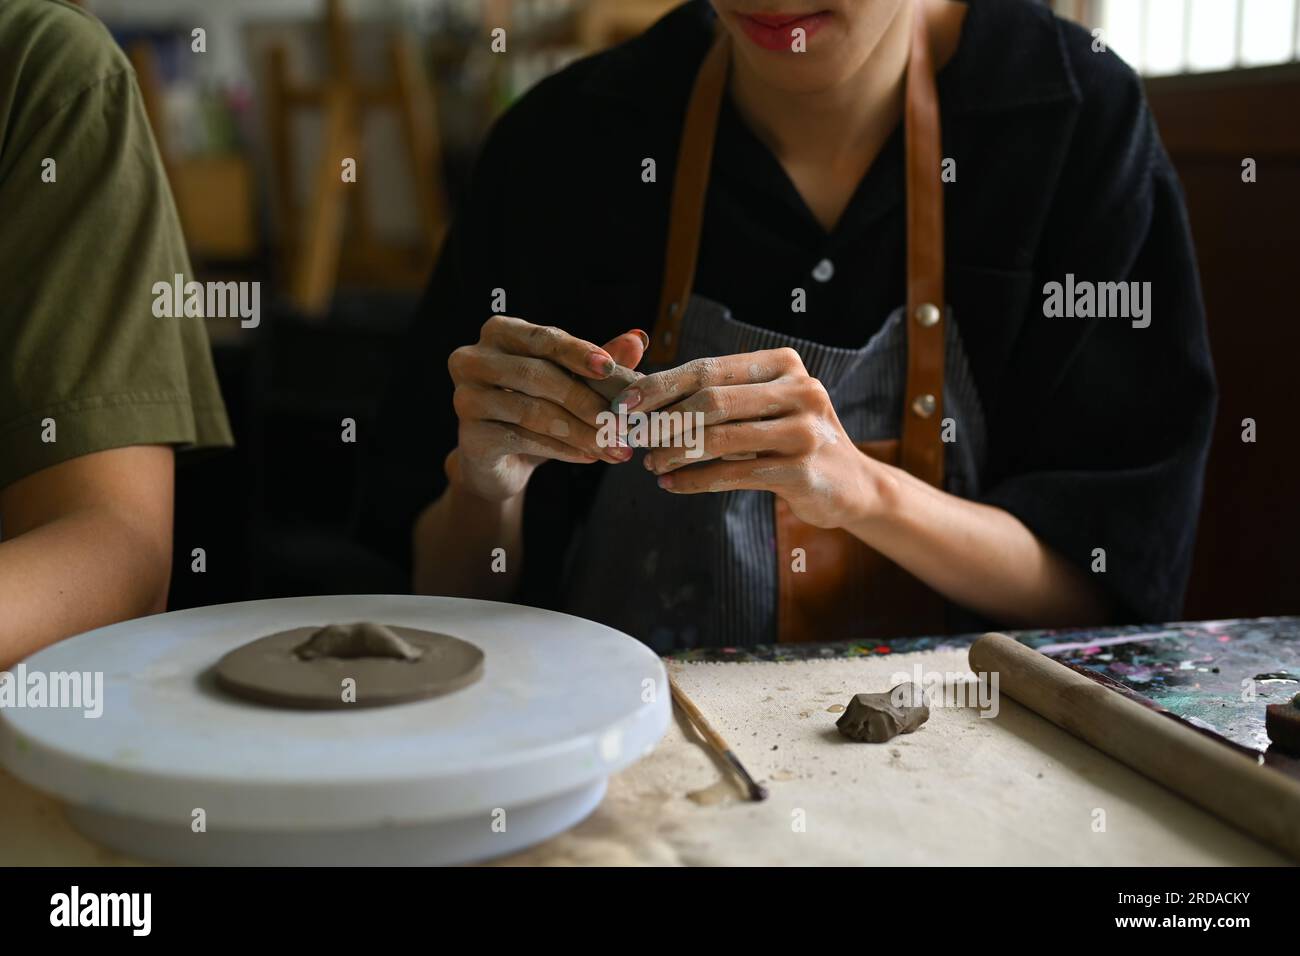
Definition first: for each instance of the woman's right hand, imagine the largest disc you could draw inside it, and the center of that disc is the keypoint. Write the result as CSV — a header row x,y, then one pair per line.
x,y
519,405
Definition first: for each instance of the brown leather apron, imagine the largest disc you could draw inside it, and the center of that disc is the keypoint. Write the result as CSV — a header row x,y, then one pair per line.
x,y
843,583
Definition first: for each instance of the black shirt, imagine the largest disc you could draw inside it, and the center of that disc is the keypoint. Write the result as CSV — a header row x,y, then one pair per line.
x,y
1098,431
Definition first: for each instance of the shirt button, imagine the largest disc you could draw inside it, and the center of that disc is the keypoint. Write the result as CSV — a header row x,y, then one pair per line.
x,y
824,270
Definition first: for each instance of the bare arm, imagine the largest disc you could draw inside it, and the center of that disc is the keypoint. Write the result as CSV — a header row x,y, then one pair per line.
x,y
521,403
86,543
765,404
455,536
978,556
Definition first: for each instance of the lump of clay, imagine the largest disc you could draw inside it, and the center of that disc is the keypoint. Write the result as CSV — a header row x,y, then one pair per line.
x,y
875,718
610,388
351,641
308,667
1282,722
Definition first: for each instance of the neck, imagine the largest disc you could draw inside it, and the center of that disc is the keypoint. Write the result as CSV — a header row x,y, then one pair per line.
x,y
839,124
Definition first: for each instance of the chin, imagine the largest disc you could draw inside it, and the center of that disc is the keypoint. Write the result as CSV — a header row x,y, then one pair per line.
x,y
803,73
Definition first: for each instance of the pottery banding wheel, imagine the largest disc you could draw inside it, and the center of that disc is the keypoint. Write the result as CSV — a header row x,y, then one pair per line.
x,y
310,667
558,704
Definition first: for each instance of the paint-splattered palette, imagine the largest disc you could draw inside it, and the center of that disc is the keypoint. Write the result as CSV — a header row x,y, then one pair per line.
x,y
1218,674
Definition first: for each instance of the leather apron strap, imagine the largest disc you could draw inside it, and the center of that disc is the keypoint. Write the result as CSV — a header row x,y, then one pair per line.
x,y
690,185
847,589
922,449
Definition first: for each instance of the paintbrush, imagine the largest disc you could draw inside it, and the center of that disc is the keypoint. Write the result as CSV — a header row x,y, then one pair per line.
x,y
715,741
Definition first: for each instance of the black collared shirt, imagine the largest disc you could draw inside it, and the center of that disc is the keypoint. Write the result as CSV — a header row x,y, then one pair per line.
x,y
1098,430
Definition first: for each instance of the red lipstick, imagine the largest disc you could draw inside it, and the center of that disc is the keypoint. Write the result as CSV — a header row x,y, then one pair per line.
x,y
775,31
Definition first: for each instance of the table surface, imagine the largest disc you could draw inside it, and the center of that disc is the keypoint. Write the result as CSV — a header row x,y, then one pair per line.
x,y
1218,673
961,790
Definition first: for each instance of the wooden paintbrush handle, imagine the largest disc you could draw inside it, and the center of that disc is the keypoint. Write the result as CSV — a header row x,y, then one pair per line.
x,y
716,742
1219,779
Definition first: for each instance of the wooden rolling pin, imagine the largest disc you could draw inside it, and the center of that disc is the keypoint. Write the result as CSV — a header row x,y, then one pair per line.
x,y
1237,788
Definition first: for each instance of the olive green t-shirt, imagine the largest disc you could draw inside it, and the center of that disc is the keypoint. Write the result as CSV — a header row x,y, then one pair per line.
x,y
87,227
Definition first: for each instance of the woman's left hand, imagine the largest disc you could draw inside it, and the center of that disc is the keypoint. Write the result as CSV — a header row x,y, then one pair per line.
x,y
762,404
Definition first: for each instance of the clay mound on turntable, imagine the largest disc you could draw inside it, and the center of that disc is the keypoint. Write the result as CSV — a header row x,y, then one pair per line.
x,y
306,667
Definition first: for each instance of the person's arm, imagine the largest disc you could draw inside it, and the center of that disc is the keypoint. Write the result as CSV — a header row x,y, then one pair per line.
x,y
96,390
520,404
86,543
461,525
975,555
765,404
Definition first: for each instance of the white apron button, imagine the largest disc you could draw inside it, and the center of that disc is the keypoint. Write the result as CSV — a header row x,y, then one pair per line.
x,y
924,405
927,315
824,271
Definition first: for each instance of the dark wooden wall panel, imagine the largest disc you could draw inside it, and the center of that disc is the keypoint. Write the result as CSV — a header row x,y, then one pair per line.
x,y
1248,241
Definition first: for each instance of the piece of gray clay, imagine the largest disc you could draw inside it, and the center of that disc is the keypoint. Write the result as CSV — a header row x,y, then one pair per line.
x,y
876,718
350,641
610,388
378,664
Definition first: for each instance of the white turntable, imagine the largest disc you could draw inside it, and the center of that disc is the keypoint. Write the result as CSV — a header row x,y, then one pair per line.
x,y
176,769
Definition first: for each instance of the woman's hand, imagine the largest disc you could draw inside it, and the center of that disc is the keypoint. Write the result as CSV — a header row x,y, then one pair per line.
x,y
766,407
519,404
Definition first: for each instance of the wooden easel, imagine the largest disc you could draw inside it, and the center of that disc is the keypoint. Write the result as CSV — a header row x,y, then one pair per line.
x,y
311,245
